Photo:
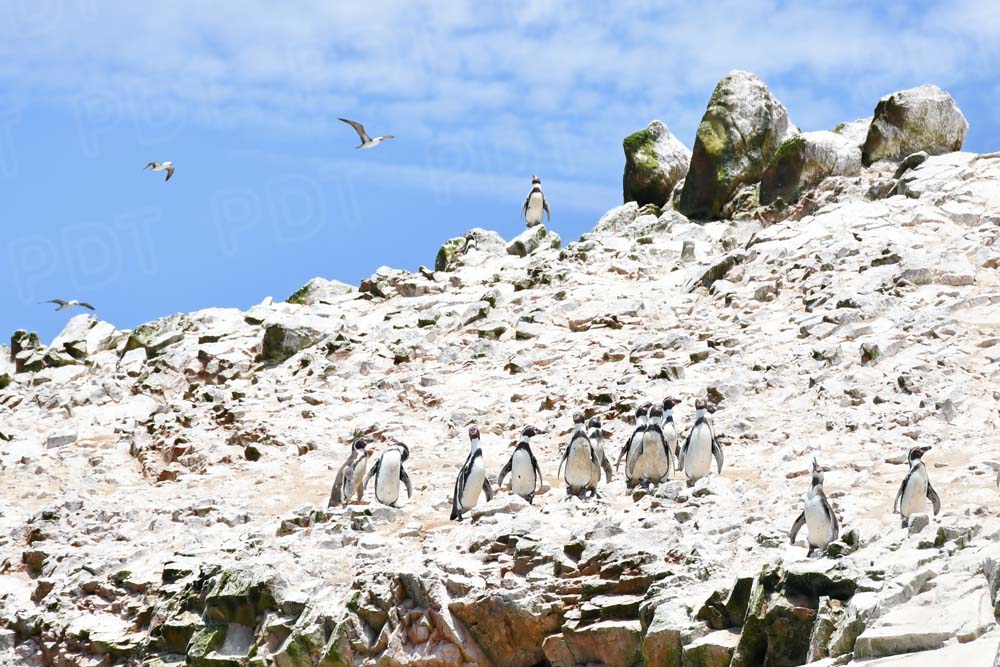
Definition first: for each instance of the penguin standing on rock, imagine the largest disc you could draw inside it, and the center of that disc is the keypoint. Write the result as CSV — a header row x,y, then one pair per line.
x,y
535,204
668,427
818,516
916,489
471,479
580,461
699,448
389,472
655,459
597,440
525,475
633,447
350,478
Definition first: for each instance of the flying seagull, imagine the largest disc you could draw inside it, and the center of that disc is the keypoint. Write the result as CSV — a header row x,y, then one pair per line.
x,y
162,166
65,305
366,141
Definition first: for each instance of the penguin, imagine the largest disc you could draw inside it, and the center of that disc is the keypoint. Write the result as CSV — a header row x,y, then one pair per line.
x,y
655,460
700,446
580,461
818,516
388,472
351,476
597,440
471,243
522,466
916,488
471,479
633,446
535,204
668,427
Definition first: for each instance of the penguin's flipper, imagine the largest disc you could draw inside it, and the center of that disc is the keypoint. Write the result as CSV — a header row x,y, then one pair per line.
x,y
373,472
624,451
337,493
834,522
796,527
562,459
539,479
684,449
717,453
899,495
457,496
505,471
934,498
487,489
545,207
606,464
405,479
524,209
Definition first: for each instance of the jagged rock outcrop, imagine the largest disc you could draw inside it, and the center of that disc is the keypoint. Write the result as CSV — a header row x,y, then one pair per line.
x,y
655,161
742,128
924,118
803,161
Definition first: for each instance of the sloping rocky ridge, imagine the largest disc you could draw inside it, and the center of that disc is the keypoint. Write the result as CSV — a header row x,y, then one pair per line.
x,y
164,489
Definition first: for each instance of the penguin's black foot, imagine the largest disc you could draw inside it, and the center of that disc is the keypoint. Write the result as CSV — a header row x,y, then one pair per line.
x,y
906,522
690,483
530,498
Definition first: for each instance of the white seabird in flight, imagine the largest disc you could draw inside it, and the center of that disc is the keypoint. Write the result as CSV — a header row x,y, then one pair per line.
x,y
366,141
65,305
162,166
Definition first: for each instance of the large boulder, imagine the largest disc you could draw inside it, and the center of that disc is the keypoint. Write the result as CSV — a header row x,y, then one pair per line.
x,y
532,239
802,161
742,128
655,160
320,290
474,245
924,118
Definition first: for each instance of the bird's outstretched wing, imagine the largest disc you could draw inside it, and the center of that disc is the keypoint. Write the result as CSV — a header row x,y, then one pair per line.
x,y
545,207
359,128
934,498
58,302
151,165
84,304
796,527
170,172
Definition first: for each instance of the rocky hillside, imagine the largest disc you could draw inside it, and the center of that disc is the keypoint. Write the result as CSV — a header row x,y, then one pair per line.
x,y
164,490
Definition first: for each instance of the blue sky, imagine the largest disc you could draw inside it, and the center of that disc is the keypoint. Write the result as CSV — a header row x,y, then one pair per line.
x,y
243,97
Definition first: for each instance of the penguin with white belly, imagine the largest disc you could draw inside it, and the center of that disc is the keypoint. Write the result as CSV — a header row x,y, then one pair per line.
x,y
471,480
916,488
633,447
388,472
580,461
655,461
818,516
525,475
596,436
350,480
700,446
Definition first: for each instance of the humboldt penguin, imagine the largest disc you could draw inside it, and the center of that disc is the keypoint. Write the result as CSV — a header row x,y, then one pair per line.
x,y
916,489
633,446
535,204
700,446
596,436
471,479
525,475
668,427
470,243
350,478
655,459
388,472
818,516
580,461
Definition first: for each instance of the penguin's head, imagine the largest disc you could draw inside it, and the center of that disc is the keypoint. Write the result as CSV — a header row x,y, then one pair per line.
x,y
531,431
700,404
917,453
535,180
817,473
404,451
577,417
655,412
361,446
595,422
670,403
473,432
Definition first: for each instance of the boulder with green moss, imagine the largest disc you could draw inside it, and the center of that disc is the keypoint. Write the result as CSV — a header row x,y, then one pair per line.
x,y
802,161
742,128
532,239
239,595
282,340
474,244
320,290
924,118
655,160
